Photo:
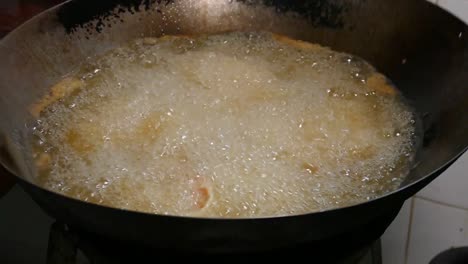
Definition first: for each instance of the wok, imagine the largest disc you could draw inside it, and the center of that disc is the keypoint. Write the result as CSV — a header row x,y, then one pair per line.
x,y
420,47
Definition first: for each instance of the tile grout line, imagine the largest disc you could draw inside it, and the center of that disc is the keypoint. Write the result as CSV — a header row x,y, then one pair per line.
x,y
442,203
408,234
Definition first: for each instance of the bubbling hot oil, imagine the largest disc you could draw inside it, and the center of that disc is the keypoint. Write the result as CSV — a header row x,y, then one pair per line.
x,y
228,125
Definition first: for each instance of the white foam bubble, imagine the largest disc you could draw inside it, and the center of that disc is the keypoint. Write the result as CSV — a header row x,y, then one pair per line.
x,y
233,125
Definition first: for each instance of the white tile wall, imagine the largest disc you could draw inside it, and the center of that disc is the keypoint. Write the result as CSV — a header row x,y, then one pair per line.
x,y
434,229
438,217
457,7
396,236
451,187
435,221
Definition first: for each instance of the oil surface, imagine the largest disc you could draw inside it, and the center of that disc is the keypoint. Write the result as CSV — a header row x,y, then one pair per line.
x,y
229,125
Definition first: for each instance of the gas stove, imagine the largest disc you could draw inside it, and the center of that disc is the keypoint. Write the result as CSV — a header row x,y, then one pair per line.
x,y
71,247
28,235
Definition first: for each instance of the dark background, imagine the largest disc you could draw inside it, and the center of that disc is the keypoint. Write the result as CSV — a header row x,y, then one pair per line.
x,y
15,12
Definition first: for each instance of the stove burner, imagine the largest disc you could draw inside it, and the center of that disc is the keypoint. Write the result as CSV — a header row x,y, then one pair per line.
x,y
69,247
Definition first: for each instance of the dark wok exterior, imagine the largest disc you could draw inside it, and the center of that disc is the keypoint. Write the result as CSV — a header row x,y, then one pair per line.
x,y
423,50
